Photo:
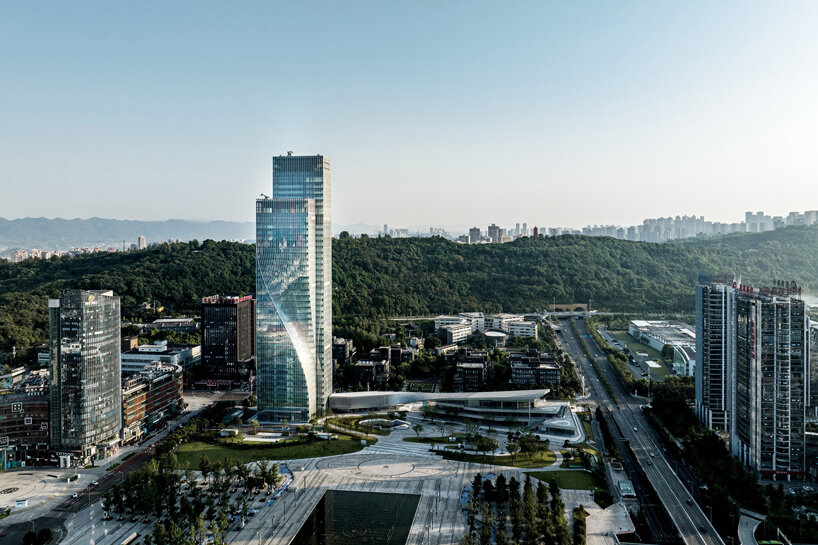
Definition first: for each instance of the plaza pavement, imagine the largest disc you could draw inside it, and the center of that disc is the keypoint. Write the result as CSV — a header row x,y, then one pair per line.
x,y
391,465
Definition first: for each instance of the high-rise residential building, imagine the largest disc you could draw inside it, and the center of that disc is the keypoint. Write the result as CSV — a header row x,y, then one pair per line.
x,y
812,395
474,235
771,383
228,338
494,233
294,290
753,372
715,316
85,395
141,243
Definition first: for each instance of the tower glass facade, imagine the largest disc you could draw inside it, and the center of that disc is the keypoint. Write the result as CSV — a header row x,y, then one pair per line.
x,y
86,398
286,382
308,177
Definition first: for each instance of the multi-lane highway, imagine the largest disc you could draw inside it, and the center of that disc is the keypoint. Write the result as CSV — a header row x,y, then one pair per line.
x,y
692,523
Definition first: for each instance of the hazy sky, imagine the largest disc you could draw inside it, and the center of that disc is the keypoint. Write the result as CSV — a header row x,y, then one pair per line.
x,y
436,112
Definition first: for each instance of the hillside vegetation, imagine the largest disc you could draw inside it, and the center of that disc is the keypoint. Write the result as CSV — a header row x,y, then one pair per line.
x,y
377,277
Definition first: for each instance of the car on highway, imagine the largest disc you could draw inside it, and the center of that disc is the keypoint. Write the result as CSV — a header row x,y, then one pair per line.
x,y
95,483
75,495
652,455
634,428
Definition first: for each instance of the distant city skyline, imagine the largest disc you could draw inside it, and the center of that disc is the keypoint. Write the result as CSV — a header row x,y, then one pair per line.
x,y
550,113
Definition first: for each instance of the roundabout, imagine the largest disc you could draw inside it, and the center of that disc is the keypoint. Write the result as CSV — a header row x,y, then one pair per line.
x,y
381,467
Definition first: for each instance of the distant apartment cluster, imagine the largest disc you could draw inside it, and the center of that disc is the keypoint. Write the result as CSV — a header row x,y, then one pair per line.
x,y
18,256
21,255
755,380
651,230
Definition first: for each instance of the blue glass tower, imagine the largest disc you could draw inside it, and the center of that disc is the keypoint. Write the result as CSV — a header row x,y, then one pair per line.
x,y
294,291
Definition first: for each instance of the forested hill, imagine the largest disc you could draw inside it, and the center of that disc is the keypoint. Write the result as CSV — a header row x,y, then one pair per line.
x,y
394,277
428,276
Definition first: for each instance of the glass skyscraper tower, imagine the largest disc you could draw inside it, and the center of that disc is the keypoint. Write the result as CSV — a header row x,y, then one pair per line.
x,y
86,382
294,291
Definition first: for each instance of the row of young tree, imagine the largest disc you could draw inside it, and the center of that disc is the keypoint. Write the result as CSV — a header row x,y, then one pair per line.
x,y
183,511
499,513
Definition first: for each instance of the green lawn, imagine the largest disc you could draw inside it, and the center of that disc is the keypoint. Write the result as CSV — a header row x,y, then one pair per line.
x,y
191,453
540,460
570,479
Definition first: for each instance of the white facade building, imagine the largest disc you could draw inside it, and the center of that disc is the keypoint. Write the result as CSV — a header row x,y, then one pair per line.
x,y
501,321
137,359
522,329
476,319
444,320
456,333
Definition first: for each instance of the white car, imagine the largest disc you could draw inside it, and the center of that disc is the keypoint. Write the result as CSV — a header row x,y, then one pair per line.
x,y
75,495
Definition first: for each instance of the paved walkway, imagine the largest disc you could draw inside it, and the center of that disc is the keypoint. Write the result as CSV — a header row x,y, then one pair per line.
x,y
746,530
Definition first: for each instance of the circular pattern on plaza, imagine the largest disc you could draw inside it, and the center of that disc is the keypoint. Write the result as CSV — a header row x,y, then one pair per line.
x,y
381,466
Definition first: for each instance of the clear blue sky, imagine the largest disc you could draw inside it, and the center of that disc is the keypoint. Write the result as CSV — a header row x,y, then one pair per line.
x,y
434,112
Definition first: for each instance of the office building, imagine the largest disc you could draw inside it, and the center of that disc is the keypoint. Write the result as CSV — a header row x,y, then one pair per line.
x,y
229,338
294,291
476,319
149,397
141,243
179,325
85,393
471,369
500,322
395,354
443,320
532,367
24,421
522,329
371,374
343,350
455,333
184,355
